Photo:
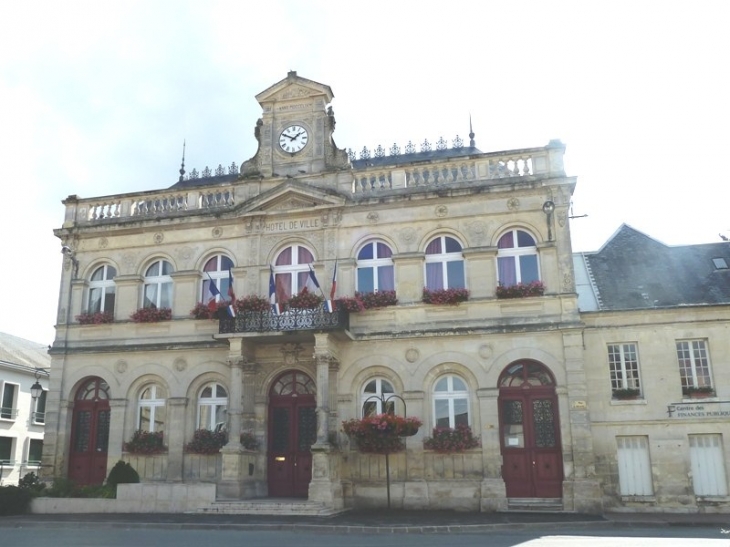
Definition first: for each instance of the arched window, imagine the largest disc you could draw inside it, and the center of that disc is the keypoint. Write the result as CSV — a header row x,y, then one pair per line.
x,y
158,285
450,402
102,289
212,407
216,269
375,268
517,258
291,271
151,409
444,264
372,396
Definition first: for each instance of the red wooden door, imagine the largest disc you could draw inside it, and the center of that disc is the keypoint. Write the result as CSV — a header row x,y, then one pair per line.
x,y
292,432
90,433
532,463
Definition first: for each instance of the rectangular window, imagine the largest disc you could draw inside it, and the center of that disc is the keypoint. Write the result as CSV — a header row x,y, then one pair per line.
x,y
634,466
8,410
708,465
35,451
365,280
6,449
694,364
39,416
623,364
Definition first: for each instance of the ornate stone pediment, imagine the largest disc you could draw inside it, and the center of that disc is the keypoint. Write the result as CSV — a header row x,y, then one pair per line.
x,y
294,87
292,197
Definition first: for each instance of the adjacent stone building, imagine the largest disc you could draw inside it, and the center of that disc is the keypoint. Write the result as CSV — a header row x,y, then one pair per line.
x,y
474,319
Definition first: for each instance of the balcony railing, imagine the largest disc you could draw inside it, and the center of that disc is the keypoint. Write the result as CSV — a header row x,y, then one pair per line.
x,y
291,320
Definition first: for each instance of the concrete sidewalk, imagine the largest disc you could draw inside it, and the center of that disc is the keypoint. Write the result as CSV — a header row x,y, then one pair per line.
x,y
376,521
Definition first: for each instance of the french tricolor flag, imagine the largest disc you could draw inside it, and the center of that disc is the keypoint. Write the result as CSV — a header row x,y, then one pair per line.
x,y
272,292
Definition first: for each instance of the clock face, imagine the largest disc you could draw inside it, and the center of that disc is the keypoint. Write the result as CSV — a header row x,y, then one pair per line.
x,y
293,139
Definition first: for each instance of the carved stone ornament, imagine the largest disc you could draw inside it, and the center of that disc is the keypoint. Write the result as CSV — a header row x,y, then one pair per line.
x,y
291,353
216,232
62,316
441,211
561,219
407,235
373,217
103,243
185,253
477,231
568,282
180,364
513,204
121,366
158,238
412,355
485,351
129,260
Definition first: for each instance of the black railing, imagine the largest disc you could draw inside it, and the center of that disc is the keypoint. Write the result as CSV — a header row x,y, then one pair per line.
x,y
290,320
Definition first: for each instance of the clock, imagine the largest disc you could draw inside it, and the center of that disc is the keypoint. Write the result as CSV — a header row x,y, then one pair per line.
x,y
293,139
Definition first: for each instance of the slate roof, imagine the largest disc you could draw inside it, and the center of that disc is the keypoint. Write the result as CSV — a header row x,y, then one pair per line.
x,y
19,351
431,155
632,271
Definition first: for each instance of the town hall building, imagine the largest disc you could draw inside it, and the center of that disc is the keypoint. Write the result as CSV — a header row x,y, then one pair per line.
x,y
434,281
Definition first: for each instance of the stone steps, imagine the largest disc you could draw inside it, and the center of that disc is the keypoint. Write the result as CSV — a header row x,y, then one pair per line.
x,y
536,505
269,506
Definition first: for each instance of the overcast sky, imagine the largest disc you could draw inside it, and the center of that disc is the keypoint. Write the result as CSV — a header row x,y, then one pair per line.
x,y
97,97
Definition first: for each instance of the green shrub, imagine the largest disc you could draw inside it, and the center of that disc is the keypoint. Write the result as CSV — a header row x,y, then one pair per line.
x,y
14,500
32,483
122,473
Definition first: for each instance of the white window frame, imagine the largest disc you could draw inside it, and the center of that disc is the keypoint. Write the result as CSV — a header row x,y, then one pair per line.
x,y
33,463
161,282
374,264
219,407
13,442
374,398
624,371
444,258
516,252
451,395
293,269
697,354
219,277
9,409
106,282
155,402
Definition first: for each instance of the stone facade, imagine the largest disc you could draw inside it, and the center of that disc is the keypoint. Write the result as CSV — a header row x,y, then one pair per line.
x,y
441,219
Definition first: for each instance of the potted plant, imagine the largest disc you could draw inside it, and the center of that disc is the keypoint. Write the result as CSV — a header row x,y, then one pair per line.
x,y
252,302
206,441
145,442
378,299
249,441
698,392
206,311
521,290
353,305
446,440
95,318
151,315
305,300
626,393
381,433
445,297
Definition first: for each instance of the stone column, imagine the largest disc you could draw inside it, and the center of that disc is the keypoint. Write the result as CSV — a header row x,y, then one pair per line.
x,y
186,292
493,489
127,299
415,489
78,289
175,437
118,409
482,271
248,416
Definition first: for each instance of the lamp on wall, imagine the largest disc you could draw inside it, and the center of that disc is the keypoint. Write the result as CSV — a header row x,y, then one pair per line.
x,y
36,389
548,208
69,253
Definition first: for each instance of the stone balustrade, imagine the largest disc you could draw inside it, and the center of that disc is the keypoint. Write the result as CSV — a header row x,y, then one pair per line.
x,y
435,172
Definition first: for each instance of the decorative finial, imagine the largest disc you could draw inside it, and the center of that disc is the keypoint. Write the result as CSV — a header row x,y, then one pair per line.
x,y
182,165
472,142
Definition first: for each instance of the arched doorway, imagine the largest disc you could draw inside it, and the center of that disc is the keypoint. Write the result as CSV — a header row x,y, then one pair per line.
x,y
90,433
529,424
292,432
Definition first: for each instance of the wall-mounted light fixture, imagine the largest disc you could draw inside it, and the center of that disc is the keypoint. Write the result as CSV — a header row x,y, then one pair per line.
x,y
36,389
69,253
548,208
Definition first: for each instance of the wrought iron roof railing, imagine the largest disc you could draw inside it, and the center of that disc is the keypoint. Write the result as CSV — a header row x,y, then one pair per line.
x,y
290,320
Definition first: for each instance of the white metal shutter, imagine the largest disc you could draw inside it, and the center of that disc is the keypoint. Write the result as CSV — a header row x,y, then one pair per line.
x,y
634,466
708,465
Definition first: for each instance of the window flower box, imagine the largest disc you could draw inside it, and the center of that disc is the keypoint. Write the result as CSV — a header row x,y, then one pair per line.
x,y
521,290
145,442
353,305
445,297
626,394
206,441
252,302
698,392
305,300
381,433
379,299
97,318
249,441
204,311
447,441
151,315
